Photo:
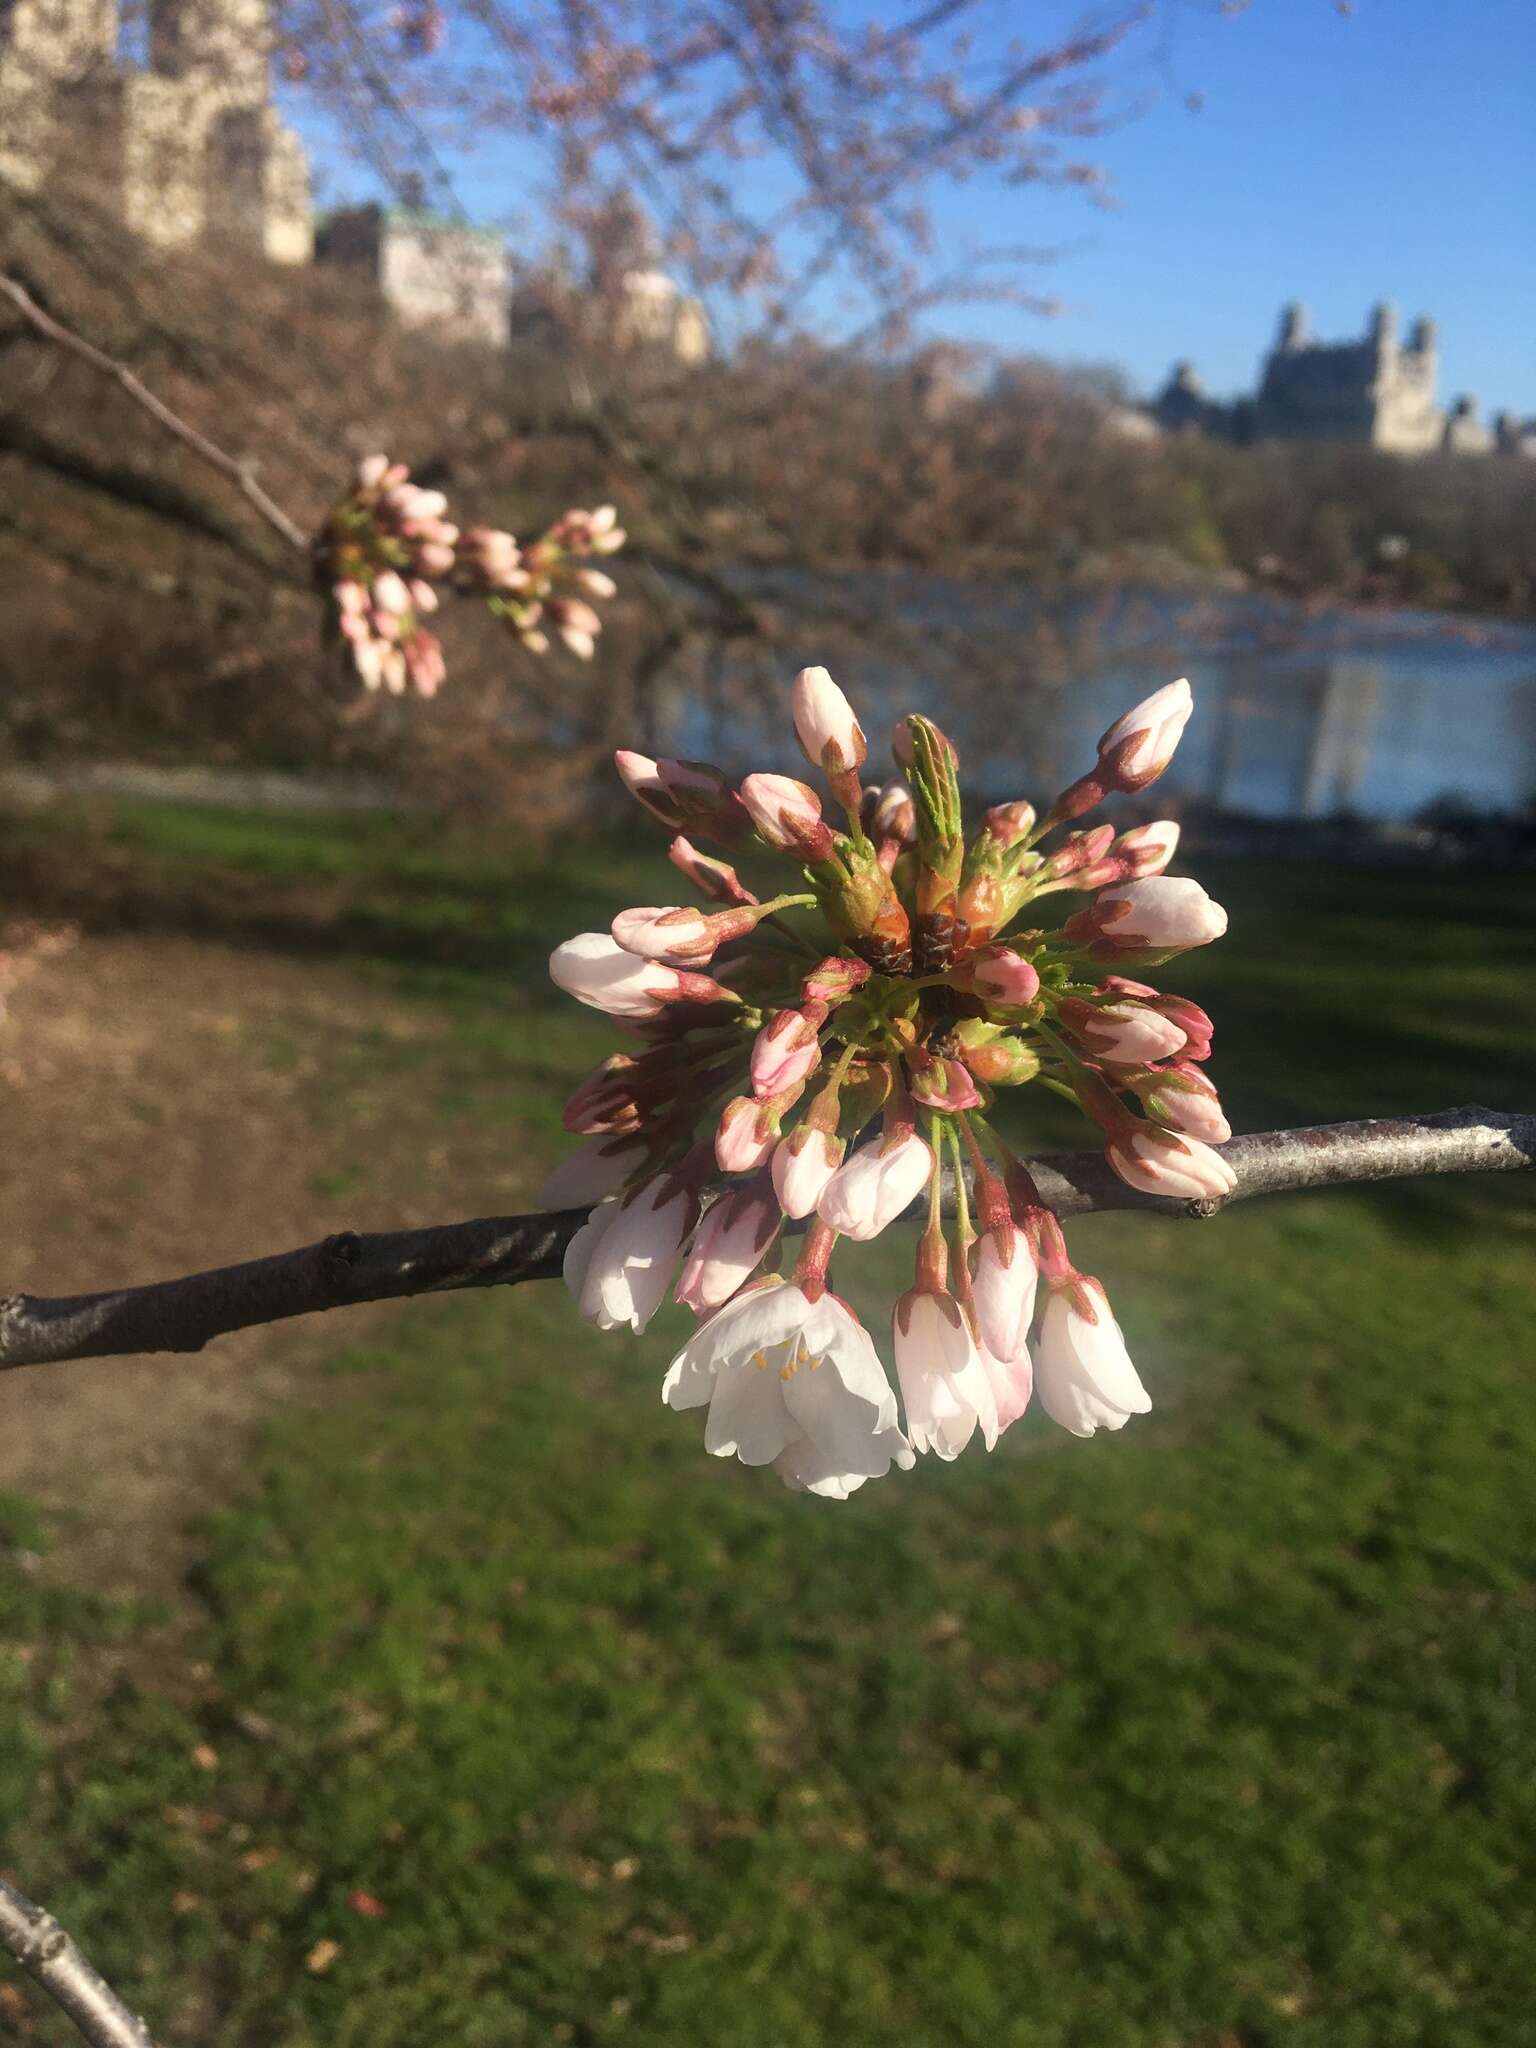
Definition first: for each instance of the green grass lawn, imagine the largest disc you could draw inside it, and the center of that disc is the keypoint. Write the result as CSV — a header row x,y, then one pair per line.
x,y
1216,1732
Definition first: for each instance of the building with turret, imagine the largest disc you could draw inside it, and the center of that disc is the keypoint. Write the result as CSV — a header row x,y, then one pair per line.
x,y
1374,392
188,146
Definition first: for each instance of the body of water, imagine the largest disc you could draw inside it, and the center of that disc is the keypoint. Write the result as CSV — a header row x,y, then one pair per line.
x,y
1297,715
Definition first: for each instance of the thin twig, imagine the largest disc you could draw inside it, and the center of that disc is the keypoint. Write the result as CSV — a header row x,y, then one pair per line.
x,y
240,470
497,1251
50,1957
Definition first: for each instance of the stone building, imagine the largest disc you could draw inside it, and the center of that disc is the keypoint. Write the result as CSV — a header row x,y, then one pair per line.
x,y
188,145
430,272
1375,392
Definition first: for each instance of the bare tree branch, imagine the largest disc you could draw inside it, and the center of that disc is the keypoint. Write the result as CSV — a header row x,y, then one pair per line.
x,y
50,1958
240,470
496,1251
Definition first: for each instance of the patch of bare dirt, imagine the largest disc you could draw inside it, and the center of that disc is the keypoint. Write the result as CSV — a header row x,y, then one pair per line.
x,y
171,1104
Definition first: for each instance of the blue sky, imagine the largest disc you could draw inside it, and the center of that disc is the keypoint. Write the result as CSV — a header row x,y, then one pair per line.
x,y
1390,153
1337,157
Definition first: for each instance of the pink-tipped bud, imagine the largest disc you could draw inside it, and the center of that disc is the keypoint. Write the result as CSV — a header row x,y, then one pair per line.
x,y
893,816
1196,1026
371,471
785,1052
829,734
999,975
1160,915
727,1246
1159,1162
1009,823
1138,747
1077,852
704,799
716,879
745,1135
787,816
941,1083
638,773
834,980
1183,1099
803,1163
390,593
597,971
680,936
1128,1034
872,1187
1147,849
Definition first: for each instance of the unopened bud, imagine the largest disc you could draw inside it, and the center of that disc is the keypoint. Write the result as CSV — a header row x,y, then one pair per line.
x,y
834,980
829,734
1138,747
787,816
785,1052
999,975
1009,823
1004,1062
716,879
940,1082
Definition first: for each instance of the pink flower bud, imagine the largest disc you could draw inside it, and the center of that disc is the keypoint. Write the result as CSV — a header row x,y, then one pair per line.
x,y
1160,1162
834,980
424,660
434,558
893,815
716,879
1129,1034
642,778
728,1244
787,816
745,1136
1147,849
1077,852
1160,915
595,583
680,936
389,592
943,1084
371,471
1196,1026
829,734
597,971
786,1051
691,793
1009,823
999,975
1138,747
870,1189
803,1163
1183,1099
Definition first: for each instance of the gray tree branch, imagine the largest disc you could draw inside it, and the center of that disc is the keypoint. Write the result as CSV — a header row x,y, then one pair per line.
x,y
238,469
50,1957
497,1251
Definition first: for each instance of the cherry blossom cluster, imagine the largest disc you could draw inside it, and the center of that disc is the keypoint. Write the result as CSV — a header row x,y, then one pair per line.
x,y
803,1067
388,549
